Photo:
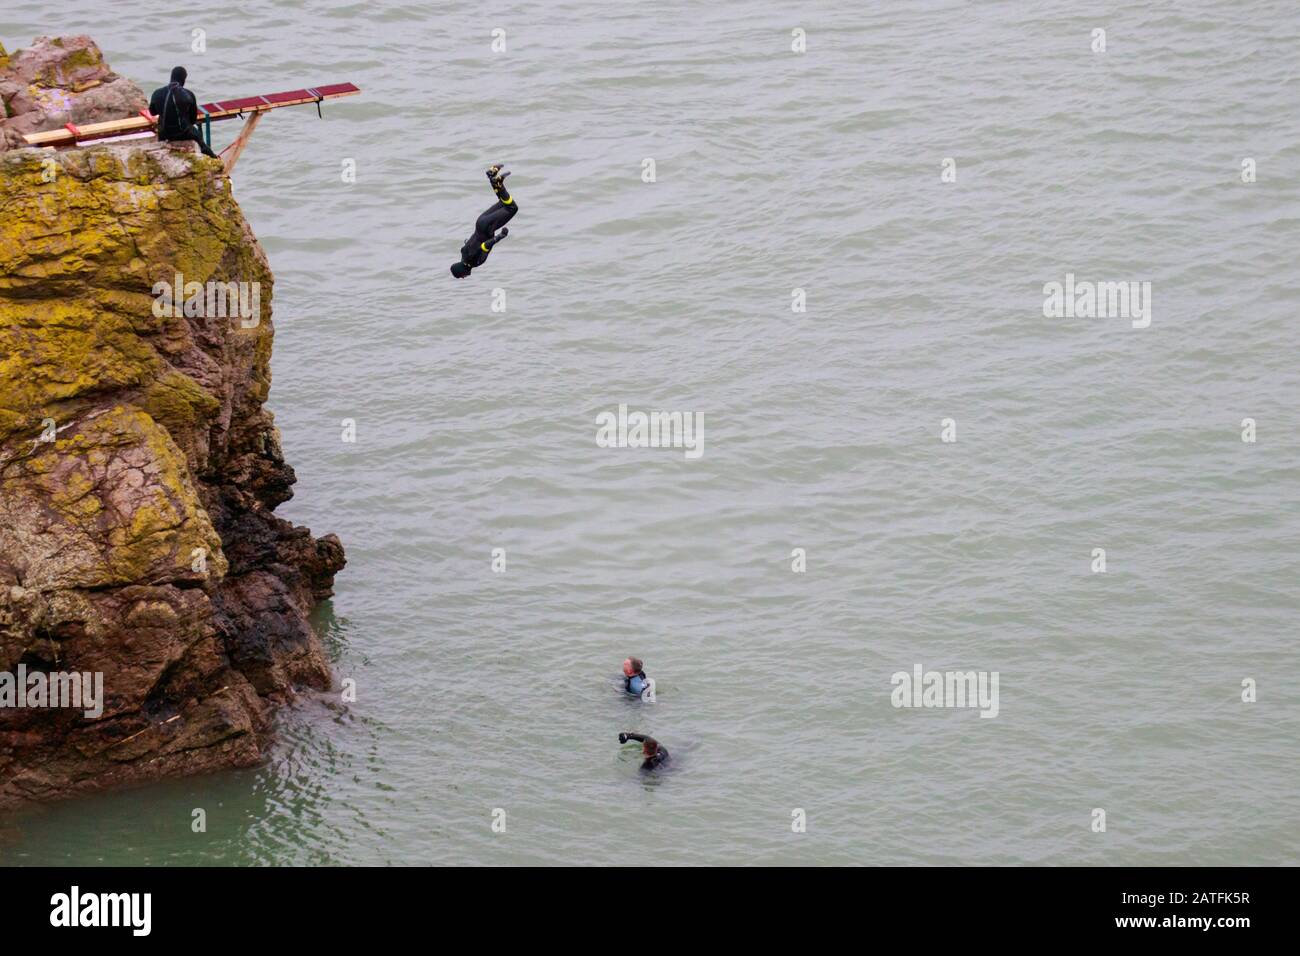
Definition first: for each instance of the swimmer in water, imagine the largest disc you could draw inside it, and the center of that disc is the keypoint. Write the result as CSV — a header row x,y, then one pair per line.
x,y
654,754
634,679
475,251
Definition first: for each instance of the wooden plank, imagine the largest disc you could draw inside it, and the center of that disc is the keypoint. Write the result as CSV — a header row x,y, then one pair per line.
x,y
227,109
91,131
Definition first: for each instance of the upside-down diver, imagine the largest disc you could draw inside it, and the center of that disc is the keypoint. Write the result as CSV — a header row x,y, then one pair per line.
x,y
475,251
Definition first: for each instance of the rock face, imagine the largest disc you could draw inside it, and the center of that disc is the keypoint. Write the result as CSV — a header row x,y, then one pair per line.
x,y
60,80
138,467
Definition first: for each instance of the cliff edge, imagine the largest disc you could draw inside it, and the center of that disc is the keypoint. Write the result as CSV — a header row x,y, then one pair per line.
x,y
139,469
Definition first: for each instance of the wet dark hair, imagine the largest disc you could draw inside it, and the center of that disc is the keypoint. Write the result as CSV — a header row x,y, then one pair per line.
x,y
637,666
459,270
179,75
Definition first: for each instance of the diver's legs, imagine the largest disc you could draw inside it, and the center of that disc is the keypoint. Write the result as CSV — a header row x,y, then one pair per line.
x,y
494,218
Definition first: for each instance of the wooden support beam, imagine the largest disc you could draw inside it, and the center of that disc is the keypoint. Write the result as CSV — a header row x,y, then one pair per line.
x,y
230,155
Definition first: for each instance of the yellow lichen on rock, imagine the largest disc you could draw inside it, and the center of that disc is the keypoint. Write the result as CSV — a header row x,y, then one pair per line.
x,y
52,351
87,238
109,502
178,403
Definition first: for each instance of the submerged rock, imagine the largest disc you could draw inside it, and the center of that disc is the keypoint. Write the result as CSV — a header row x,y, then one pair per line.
x,y
139,469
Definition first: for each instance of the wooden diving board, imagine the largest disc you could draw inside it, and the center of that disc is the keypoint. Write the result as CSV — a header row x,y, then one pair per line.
x,y
71,135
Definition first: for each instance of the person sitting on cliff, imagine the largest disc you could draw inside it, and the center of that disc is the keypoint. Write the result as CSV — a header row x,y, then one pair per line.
x,y
475,251
634,678
654,754
178,112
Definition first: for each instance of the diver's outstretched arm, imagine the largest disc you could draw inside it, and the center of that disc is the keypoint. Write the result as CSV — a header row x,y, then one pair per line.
x,y
624,738
487,244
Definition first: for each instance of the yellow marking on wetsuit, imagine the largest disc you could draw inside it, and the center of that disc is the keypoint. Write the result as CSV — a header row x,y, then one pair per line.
x,y
506,202
483,246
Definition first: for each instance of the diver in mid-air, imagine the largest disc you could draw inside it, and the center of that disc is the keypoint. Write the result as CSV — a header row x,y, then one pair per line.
x,y
475,251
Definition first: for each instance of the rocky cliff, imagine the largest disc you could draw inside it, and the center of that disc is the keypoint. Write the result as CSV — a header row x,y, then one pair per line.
x,y
139,469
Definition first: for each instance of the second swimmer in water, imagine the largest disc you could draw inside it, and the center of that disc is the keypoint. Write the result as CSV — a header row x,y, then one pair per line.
x,y
654,754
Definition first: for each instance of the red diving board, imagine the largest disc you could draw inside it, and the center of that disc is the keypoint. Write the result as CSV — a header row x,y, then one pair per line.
x,y
256,104
71,135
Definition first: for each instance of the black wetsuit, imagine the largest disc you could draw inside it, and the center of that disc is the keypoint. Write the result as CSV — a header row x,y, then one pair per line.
x,y
475,251
178,114
659,757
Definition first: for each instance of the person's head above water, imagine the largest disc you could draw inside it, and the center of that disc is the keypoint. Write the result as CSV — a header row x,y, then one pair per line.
x,y
459,270
632,666
179,75
650,749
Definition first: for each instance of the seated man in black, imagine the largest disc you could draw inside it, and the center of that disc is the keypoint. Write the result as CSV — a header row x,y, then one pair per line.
x,y
178,112
475,251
